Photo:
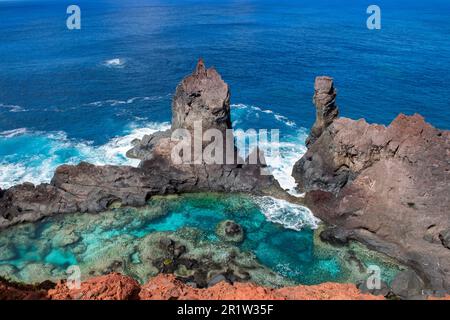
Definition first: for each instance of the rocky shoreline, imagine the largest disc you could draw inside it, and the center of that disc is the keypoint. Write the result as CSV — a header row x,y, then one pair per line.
x,y
89,188
386,187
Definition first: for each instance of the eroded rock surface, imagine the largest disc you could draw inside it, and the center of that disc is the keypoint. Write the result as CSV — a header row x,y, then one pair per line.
x,y
115,286
326,108
202,96
15,291
388,187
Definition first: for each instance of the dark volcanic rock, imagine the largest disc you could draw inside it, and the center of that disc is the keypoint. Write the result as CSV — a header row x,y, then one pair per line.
x,y
16,291
326,108
202,96
230,231
88,188
444,236
388,185
335,236
407,285
143,148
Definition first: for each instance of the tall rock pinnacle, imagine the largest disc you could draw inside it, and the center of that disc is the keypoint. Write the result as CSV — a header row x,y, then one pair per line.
x,y
326,108
204,96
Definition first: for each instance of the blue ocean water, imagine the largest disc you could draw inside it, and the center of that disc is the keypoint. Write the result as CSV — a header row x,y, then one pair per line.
x,y
67,96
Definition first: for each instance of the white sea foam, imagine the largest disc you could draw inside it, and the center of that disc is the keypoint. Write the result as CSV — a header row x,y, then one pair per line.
x,y
291,147
277,116
291,216
113,102
21,168
12,107
49,150
13,133
114,63
281,165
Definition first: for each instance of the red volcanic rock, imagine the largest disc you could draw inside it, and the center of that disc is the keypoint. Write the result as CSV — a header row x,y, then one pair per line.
x,y
326,291
166,287
13,291
109,287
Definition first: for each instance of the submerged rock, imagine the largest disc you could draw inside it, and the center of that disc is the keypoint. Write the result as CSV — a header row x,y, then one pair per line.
x,y
7,252
388,186
230,231
196,261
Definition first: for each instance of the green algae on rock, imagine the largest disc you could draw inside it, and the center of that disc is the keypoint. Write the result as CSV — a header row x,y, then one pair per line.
x,y
230,231
177,234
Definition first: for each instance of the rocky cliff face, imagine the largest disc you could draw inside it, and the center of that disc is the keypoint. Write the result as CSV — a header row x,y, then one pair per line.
x,y
388,187
202,96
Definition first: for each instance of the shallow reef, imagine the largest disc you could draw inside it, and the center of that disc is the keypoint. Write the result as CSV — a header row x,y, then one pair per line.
x,y
177,235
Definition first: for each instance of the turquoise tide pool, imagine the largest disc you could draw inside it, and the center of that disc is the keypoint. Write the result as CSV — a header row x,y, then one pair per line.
x,y
277,249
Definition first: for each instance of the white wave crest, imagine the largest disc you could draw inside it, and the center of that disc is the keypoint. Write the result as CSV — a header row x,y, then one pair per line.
x,y
114,63
13,133
291,216
113,102
46,151
12,107
277,116
291,148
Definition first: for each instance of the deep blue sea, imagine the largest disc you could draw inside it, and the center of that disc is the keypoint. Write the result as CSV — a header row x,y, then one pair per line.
x,y
67,96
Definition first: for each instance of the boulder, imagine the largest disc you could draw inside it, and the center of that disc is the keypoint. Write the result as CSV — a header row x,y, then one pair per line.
x,y
408,285
335,236
230,231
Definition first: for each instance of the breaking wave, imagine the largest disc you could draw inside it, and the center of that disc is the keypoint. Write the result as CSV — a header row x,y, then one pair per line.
x,y
28,156
291,144
114,63
289,215
12,107
33,156
114,102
